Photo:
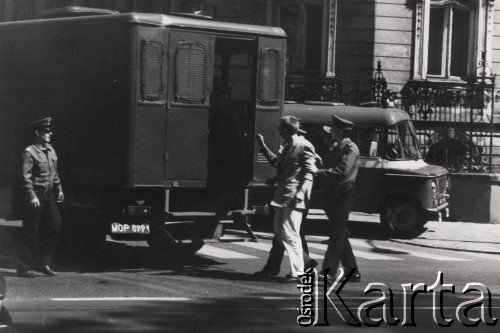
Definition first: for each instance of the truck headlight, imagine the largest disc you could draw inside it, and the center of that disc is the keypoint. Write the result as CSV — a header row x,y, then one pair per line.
x,y
435,193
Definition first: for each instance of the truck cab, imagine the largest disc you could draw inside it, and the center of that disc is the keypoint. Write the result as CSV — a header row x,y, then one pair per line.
x,y
393,179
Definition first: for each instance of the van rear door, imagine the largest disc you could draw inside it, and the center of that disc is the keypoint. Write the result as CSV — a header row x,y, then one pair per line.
x,y
190,72
270,90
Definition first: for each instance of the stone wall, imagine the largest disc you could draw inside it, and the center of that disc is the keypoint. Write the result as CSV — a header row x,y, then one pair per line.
x,y
475,198
393,44
373,30
355,40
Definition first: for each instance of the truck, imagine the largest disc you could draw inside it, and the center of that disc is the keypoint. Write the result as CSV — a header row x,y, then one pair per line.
x,y
154,120
393,180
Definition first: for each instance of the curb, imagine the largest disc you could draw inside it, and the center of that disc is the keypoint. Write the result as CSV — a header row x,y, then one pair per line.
x,y
441,247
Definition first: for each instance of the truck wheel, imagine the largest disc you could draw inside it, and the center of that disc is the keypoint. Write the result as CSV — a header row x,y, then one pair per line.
x,y
84,230
163,246
402,219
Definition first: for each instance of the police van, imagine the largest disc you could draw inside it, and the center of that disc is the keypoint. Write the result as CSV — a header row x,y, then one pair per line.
x,y
154,119
393,179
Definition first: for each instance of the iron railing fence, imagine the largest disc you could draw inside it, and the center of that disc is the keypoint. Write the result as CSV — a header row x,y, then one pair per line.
x,y
455,123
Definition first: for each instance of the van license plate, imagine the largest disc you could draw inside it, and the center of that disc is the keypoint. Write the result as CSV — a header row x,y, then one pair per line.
x,y
120,228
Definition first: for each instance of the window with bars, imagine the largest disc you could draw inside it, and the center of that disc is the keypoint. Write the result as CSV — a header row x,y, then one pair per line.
x,y
191,66
270,77
152,70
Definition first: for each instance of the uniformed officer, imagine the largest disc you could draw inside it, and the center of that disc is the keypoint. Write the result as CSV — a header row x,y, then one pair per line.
x,y
42,191
337,178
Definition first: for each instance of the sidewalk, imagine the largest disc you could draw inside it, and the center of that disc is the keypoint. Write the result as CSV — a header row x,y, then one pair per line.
x,y
457,236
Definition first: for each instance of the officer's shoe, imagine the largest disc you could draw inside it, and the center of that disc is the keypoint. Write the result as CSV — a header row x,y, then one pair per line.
x,y
310,264
26,274
45,269
356,277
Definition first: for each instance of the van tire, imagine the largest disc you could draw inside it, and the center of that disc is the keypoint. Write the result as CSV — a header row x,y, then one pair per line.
x,y
162,246
84,230
403,219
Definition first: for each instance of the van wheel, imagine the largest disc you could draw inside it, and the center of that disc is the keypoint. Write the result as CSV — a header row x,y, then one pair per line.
x,y
402,219
85,230
162,246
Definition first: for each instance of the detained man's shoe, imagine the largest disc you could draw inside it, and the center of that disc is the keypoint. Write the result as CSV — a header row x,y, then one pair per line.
x,y
47,271
265,274
290,278
26,274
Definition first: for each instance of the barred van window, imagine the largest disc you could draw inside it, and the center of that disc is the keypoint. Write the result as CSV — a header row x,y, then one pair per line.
x,y
270,77
151,70
191,61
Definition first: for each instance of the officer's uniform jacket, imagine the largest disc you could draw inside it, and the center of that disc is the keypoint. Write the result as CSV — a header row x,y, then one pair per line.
x,y
340,166
295,162
39,170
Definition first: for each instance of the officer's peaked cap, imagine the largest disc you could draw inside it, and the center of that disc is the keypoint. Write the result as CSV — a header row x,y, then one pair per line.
x,y
41,124
341,122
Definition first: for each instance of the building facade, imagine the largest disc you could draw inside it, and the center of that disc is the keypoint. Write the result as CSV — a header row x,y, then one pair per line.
x,y
434,58
436,40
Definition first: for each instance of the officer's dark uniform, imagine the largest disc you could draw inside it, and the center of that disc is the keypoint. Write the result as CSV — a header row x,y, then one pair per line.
x,y
337,179
41,225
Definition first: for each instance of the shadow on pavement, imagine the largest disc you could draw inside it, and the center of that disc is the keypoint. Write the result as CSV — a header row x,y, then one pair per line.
x,y
116,256
234,314
113,256
358,229
244,313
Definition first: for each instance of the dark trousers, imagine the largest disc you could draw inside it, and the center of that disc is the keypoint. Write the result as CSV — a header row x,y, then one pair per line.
x,y
337,207
40,232
273,264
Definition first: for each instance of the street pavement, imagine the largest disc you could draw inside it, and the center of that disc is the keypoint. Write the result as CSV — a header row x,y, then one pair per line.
x,y
127,288
451,235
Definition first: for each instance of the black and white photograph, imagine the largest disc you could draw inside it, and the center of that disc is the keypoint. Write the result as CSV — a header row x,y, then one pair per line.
x,y
249,166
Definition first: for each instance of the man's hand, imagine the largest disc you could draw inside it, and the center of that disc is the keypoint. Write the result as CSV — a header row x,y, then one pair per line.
x,y
35,202
260,139
319,162
60,197
299,198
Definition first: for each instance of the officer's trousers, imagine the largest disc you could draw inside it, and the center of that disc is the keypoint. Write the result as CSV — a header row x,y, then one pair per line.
x,y
40,232
338,204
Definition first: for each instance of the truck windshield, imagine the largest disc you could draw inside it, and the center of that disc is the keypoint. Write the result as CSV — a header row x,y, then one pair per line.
x,y
402,141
